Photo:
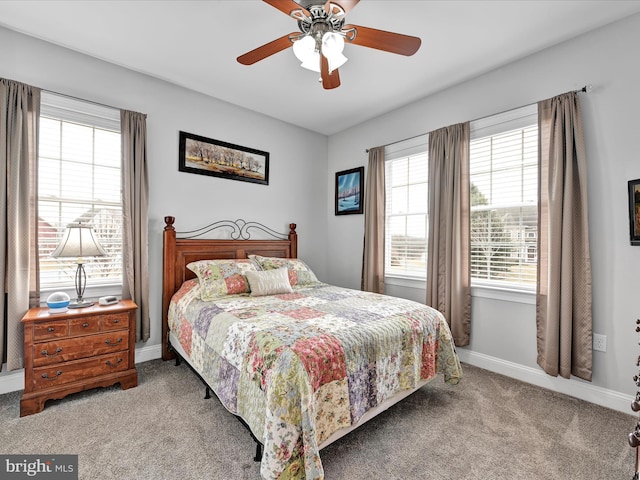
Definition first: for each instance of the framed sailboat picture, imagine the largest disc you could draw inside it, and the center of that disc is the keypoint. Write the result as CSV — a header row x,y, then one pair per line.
x,y
349,191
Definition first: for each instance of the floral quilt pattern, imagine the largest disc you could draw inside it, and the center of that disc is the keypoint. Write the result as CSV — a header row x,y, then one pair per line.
x,y
298,367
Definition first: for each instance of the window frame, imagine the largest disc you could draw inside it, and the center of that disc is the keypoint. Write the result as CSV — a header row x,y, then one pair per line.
x,y
418,145
75,111
519,118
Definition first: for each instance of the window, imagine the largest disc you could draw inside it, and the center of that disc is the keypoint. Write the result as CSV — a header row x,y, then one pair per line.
x,y
504,199
406,167
79,181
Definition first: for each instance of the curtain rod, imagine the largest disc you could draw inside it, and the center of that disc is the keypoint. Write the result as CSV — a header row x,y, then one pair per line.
x,y
85,100
586,89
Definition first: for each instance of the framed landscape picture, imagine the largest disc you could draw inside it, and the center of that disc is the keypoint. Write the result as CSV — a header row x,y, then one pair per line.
x,y
634,211
206,156
349,191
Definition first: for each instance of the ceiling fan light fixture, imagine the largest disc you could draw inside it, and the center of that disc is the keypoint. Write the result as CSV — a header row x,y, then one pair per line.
x,y
312,63
332,43
304,48
332,47
320,42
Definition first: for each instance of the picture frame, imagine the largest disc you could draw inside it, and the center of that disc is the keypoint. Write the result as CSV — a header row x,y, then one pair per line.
x,y
206,156
350,191
634,211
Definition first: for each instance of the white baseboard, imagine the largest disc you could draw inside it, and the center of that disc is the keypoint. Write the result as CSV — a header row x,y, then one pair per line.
x,y
144,354
574,387
14,380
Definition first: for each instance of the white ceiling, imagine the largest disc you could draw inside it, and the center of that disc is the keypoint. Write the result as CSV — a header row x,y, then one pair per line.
x,y
195,44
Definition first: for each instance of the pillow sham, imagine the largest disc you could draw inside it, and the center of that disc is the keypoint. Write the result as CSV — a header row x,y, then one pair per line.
x,y
219,278
299,272
269,282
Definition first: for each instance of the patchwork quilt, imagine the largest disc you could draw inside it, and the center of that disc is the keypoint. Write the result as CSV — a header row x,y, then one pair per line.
x,y
299,366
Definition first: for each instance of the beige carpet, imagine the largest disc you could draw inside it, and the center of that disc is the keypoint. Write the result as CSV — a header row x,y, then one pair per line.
x,y
488,427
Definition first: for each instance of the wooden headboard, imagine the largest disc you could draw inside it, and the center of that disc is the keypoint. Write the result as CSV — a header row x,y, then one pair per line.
x,y
179,252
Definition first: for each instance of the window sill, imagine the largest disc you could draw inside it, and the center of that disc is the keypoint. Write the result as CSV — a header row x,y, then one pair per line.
x,y
479,291
410,282
90,293
504,294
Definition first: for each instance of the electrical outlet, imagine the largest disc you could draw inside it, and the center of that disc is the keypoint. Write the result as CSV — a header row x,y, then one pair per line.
x,y
599,342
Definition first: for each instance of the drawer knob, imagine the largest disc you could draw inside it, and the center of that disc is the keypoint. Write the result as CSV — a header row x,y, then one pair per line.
x,y
51,329
47,354
108,362
85,325
117,320
47,377
109,342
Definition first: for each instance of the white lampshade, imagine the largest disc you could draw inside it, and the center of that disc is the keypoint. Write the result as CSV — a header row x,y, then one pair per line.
x,y
305,51
78,241
332,47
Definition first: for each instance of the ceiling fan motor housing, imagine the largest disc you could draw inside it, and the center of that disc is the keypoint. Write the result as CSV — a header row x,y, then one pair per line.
x,y
320,21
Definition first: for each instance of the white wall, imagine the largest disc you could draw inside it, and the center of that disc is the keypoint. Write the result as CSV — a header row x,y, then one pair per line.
x,y
503,332
297,156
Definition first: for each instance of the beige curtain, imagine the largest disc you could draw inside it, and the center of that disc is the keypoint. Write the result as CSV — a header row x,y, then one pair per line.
x,y
448,258
135,217
374,201
19,121
563,301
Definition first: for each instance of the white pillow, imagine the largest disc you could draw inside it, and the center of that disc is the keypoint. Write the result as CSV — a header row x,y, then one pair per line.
x,y
269,282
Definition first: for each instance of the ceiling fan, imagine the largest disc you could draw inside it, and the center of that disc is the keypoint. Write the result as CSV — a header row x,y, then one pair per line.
x,y
322,36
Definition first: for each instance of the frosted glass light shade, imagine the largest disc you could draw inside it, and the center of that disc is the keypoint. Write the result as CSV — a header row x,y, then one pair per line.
x,y
332,47
305,51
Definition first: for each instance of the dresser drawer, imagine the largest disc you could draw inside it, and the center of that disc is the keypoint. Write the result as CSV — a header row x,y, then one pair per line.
x,y
82,326
115,321
59,374
49,330
64,350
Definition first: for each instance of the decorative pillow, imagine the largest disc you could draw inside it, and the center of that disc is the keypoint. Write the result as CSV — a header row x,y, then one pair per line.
x,y
269,282
299,272
218,278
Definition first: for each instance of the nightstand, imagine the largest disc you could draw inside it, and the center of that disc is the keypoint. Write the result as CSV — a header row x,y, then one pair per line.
x,y
77,350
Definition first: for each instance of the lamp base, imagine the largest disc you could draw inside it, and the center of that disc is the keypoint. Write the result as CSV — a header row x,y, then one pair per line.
x,y
80,304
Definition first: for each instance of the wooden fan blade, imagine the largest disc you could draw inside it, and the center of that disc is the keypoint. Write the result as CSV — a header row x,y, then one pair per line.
x,y
382,40
346,5
286,6
266,50
329,80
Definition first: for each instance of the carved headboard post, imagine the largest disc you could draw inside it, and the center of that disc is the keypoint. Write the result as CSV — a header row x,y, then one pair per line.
x,y
168,281
293,237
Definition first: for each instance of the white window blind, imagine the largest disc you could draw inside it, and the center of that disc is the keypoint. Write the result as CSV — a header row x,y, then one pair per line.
x,y
79,181
504,199
406,175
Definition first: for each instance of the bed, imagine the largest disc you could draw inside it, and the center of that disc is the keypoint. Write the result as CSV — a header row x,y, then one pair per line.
x,y
300,362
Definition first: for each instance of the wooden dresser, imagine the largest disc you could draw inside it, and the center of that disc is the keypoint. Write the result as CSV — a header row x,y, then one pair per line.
x,y
77,350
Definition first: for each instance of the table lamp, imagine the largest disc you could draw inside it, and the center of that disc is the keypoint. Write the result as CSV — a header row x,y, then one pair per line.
x,y
79,241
